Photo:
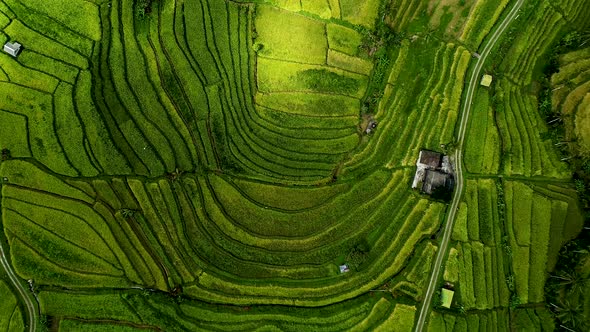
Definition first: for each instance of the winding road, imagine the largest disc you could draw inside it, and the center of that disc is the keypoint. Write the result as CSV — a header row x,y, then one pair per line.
x,y
24,294
467,103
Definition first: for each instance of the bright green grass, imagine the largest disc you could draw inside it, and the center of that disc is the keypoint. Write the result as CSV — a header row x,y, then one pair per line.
x,y
402,319
531,319
451,272
70,132
289,198
89,306
33,40
381,309
315,105
437,323
82,326
159,311
80,16
37,107
535,219
479,277
468,297
483,16
26,175
317,7
279,223
104,151
24,76
36,222
4,20
540,237
50,66
12,126
293,5
10,313
482,150
29,264
472,200
248,176
50,27
583,122
343,39
280,76
347,62
522,207
360,12
53,238
289,36
417,273
460,231
55,248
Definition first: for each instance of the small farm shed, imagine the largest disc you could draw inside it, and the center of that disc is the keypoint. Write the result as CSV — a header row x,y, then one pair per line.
x,y
446,298
486,80
344,268
12,48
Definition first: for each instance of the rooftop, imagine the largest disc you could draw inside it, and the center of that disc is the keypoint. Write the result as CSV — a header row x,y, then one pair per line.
x,y
486,80
434,180
430,158
446,297
12,48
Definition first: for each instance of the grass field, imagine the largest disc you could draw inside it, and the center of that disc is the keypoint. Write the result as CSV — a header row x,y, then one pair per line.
x,y
11,318
205,165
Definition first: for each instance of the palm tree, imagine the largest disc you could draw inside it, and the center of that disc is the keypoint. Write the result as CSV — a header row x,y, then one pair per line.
x,y
584,38
570,315
572,281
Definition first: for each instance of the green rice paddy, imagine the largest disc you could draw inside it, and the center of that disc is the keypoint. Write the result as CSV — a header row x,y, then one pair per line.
x,y
202,165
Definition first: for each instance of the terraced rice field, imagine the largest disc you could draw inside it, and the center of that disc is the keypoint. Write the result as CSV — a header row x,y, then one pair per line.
x,y
508,234
203,164
539,319
11,318
571,91
518,208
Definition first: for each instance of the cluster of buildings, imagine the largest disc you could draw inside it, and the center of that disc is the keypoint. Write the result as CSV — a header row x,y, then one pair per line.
x,y
433,171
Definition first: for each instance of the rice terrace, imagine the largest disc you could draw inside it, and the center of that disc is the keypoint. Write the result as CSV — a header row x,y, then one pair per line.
x,y
295,165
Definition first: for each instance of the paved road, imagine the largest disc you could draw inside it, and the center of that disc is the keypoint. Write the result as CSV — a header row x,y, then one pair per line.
x,y
24,294
473,83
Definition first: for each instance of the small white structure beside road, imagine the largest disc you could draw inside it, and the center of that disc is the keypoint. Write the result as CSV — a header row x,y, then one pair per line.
x,y
12,48
486,80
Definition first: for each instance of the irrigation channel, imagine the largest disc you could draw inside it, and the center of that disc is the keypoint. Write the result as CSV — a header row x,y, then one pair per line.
x,y
467,103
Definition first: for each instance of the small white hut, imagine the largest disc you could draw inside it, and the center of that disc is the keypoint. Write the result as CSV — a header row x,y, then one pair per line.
x,y
12,48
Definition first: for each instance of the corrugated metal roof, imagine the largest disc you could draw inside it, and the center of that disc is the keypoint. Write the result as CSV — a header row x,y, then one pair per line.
x,y
430,158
